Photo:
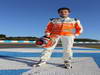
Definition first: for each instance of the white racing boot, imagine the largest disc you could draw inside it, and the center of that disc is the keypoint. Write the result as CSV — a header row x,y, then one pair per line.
x,y
67,64
40,63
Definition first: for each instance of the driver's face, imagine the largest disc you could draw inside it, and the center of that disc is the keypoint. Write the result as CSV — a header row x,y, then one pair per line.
x,y
64,13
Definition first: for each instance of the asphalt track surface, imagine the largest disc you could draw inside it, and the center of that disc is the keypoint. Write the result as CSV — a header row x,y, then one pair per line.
x,y
19,61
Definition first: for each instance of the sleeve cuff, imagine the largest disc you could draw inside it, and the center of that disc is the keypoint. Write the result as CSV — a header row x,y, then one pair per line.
x,y
76,34
47,33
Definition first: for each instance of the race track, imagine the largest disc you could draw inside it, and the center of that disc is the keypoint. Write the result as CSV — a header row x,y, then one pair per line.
x,y
19,61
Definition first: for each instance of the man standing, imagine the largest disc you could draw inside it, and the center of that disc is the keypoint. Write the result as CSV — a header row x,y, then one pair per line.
x,y
65,28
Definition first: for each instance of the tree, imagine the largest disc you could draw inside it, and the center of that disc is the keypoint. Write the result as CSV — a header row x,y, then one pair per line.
x,y
2,36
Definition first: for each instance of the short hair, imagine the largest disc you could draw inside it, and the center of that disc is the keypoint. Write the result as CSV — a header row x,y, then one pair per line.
x,y
64,9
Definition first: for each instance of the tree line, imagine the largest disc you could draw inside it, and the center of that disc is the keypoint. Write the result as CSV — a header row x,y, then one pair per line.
x,y
4,37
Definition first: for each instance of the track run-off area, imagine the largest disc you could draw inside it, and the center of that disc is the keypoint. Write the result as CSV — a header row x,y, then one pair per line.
x,y
19,61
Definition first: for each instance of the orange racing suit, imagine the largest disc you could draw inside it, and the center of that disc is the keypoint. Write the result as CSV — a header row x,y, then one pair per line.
x,y
67,26
66,29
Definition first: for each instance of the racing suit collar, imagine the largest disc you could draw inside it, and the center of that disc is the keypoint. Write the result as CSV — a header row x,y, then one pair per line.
x,y
63,19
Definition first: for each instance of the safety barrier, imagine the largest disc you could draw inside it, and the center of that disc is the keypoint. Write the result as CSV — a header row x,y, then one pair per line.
x,y
23,41
13,41
87,42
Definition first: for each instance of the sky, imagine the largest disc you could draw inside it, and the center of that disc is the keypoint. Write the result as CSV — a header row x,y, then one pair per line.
x,y
30,17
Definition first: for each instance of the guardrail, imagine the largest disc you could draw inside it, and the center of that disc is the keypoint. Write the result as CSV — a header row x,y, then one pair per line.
x,y
87,42
22,41
13,41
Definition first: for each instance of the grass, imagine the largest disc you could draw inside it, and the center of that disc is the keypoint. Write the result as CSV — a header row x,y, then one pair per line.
x,y
97,47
